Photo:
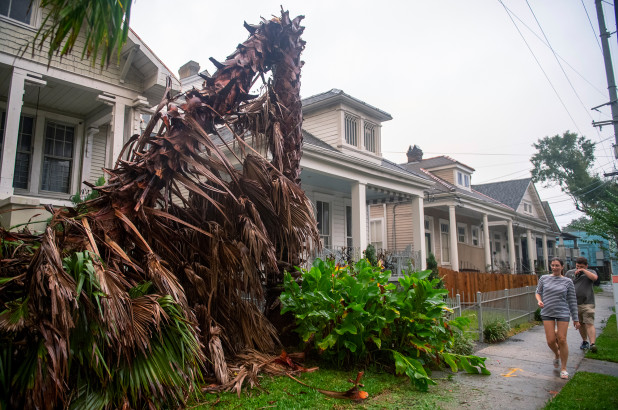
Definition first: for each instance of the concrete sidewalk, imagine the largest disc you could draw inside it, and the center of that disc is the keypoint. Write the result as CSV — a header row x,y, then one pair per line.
x,y
522,371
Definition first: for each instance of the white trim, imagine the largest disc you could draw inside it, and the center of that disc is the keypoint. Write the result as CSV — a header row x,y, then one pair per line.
x,y
431,233
442,260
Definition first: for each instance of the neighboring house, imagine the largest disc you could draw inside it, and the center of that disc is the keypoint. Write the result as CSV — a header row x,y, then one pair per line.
x,y
599,252
360,198
500,227
62,123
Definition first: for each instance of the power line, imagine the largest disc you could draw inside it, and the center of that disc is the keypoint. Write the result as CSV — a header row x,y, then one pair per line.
x,y
541,67
603,93
591,26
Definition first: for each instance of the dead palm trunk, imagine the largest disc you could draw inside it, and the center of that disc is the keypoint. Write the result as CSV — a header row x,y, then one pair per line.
x,y
208,210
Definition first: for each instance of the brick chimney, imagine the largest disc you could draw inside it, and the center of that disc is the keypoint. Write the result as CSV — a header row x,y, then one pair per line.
x,y
415,154
189,69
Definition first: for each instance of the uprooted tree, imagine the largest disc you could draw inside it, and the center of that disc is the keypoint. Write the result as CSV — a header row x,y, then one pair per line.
x,y
204,213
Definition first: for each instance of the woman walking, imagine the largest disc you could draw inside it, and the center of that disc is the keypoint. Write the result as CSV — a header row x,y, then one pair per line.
x,y
555,295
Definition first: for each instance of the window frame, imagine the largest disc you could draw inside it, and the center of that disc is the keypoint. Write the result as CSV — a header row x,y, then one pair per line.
x,y
373,138
382,222
429,235
445,244
349,119
329,223
464,226
45,156
477,237
35,16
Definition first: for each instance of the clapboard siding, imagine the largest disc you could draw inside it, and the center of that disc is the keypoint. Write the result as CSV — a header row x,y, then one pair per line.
x,y
399,226
446,174
325,126
99,147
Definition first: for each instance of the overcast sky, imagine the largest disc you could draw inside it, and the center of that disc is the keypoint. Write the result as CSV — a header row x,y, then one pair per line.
x,y
457,76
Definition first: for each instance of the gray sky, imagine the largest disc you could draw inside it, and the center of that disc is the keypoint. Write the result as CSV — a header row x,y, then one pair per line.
x,y
456,76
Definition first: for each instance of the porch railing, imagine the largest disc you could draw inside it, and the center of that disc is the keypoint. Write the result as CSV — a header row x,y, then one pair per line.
x,y
395,261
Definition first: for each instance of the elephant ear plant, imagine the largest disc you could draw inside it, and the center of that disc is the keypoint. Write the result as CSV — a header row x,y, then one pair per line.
x,y
354,315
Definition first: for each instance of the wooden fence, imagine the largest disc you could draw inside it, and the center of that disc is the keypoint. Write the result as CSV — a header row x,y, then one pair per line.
x,y
468,283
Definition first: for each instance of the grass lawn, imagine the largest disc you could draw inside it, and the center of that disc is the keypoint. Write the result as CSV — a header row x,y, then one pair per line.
x,y
607,343
386,391
587,391
597,289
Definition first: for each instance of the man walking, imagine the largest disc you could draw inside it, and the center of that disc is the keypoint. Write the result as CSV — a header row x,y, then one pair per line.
x,y
583,279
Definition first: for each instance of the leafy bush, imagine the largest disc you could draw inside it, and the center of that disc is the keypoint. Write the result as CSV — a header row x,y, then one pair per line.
x,y
462,344
352,314
371,255
432,265
496,331
77,197
537,315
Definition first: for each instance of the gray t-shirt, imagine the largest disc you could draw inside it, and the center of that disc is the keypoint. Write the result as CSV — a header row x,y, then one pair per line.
x,y
558,296
583,287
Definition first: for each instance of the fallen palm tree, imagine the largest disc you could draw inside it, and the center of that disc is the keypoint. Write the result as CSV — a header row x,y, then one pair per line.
x,y
202,213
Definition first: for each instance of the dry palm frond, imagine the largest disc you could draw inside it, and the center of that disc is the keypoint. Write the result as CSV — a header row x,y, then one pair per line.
x,y
206,214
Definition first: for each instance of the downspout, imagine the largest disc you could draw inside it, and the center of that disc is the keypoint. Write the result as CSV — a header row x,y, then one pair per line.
x,y
395,227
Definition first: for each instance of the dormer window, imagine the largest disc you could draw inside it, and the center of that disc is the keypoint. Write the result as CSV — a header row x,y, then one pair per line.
x,y
463,179
371,143
351,129
527,208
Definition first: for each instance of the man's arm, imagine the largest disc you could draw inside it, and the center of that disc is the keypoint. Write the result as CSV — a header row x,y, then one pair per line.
x,y
590,274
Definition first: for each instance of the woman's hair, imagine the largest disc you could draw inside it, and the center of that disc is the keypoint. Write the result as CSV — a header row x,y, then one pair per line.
x,y
557,260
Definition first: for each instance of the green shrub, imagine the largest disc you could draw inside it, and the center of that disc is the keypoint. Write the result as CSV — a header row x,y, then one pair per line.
x,y
77,197
496,331
537,315
353,315
371,255
462,344
432,265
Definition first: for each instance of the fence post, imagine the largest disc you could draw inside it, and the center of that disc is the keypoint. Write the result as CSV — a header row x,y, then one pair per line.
x,y
458,299
479,300
528,299
508,306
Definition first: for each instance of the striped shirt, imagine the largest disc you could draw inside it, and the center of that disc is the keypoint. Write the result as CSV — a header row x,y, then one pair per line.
x,y
558,296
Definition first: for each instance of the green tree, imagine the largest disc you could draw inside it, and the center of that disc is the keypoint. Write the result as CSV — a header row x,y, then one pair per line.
x,y
566,161
105,24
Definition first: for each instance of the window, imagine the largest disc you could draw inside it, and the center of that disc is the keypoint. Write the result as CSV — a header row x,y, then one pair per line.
x,y
57,157
376,233
497,243
323,217
527,208
475,235
348,227
25,139
463,179
351,129
19,10
371,141
428,234
444,242
462,234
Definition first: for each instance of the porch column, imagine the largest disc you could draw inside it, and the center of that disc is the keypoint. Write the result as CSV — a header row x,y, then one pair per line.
x,y
11,131
511,239
117,135
452,223
530,250
487,243
545,253
359,215
418,229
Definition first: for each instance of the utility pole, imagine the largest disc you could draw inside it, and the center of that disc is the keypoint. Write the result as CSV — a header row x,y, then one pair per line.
x,y
609,72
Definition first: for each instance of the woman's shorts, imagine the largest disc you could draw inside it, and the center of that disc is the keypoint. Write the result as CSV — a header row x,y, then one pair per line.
x,y
557,319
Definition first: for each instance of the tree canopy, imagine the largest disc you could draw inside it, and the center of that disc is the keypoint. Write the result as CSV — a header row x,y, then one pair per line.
x,y
567,161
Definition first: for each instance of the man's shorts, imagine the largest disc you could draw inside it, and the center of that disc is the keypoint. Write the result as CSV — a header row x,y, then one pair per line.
x,y
586,314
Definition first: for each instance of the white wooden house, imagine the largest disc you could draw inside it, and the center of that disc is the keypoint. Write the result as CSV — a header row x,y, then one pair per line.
x,y
62,123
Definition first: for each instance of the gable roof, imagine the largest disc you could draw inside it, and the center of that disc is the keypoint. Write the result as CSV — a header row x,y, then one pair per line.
x,y
550,216
337,95
508,192
440,161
